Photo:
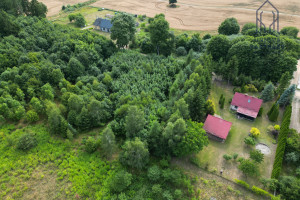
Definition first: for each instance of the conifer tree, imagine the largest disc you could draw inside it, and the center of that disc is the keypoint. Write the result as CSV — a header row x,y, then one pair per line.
x,y
268,92
271,110
274,115
221,99
287,96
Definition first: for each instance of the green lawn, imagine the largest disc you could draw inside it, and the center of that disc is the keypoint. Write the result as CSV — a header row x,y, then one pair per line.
x,y
212,156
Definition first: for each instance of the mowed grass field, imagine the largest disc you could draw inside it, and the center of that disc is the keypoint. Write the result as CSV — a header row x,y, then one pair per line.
x,y
211,157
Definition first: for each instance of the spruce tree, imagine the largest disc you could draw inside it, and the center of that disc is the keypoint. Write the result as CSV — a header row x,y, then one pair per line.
x,y
221,99
268,92
284,82
223,102
274,115
287,96
271,110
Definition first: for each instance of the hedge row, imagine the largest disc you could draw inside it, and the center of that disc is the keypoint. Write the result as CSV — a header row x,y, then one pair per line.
x,y
256,190
242,183
282,138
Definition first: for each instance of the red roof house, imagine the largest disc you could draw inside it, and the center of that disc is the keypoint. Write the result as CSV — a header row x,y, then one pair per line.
x,y
246,106
217,128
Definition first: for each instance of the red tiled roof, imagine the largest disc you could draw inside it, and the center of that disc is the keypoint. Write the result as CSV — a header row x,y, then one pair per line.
x,y
247,112
217,126
247,105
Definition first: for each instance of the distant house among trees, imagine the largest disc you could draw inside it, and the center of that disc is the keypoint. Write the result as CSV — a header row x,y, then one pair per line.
x,y
246,106
103,25
217,128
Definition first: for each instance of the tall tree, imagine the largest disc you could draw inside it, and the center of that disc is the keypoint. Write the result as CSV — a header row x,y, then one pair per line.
x,y
135,154
268,92
196,102
274,114
134,121
229,26
123,29
193,141
108,142
57,124
159,31
284,82
218,47
287,96
7,24
37,9
230,70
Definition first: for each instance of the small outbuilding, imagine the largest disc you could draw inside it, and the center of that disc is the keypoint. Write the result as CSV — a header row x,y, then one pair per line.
x,y
104,25
246,106
217,128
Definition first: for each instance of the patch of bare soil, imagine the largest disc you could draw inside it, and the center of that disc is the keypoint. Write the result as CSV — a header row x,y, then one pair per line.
x,y
42,185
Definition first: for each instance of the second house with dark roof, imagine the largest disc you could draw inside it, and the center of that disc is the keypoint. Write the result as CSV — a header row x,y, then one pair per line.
x,y
103,25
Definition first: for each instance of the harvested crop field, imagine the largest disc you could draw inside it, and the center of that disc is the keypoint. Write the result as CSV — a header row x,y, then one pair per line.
x,y
207,14
54,6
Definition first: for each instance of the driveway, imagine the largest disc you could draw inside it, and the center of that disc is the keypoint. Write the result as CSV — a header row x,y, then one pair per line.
x,y
295,121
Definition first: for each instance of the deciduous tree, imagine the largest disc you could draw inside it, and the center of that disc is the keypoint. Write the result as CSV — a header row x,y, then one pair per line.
x,y
135,154
123,29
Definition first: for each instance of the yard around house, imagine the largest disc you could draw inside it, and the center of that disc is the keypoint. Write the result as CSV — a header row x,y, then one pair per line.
x,y
211,157
90,14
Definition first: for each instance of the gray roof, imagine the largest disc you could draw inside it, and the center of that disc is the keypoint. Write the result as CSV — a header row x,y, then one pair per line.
x,y
103,23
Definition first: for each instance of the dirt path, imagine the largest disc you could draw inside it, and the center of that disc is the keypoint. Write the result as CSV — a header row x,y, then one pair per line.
x,y
295,121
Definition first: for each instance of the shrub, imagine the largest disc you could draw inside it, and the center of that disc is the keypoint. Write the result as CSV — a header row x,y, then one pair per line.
x,y
207,36
90,145
254,132
32,116
180,51
167,195
227,157
235,155
120,181
257,156
178,194
260,191
247,27
248,167
69,135
26,142
261,110
242,183
250,141
290,31
156,190
154,173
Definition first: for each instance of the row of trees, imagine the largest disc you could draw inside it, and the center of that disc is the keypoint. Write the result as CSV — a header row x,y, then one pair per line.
x,y
282,139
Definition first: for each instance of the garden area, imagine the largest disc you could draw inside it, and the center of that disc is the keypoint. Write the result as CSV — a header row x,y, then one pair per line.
x,y
211,158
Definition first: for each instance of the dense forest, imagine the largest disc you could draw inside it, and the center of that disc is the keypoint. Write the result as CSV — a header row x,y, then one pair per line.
x,y
149,102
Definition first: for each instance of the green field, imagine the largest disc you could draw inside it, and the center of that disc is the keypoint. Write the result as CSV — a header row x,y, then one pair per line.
x,y
212,156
